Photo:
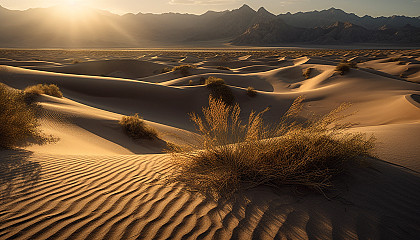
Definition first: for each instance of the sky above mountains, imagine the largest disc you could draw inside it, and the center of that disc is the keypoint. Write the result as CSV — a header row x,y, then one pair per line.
x,y
360,7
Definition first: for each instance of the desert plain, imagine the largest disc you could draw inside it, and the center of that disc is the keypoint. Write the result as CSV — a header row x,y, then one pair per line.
x,y
95,182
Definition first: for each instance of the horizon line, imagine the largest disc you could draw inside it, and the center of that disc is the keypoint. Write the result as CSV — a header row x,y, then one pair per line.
x,y
199,14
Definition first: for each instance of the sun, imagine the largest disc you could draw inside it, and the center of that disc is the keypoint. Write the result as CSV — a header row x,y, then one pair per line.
x,y
71,8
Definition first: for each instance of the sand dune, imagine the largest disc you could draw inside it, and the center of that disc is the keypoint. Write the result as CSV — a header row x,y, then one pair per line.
x,y
110,68
121,197
97,183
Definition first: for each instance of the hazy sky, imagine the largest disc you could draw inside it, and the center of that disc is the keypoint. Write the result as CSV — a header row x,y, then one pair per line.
x,y
360,7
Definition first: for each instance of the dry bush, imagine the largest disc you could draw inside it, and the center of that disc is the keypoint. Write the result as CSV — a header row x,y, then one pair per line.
x,y
18,122
343,68
228,155
167,69
307,72
394,59
250,91
184,69
219,90
223,68
136,128
75,61
39,89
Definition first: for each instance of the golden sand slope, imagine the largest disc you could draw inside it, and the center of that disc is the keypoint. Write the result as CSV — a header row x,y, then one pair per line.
x,y
124,197
97,183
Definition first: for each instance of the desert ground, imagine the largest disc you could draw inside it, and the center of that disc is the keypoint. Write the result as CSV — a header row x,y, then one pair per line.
x,y
95,182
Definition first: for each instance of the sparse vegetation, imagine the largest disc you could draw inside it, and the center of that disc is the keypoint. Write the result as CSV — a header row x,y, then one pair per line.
x,y
343,68
219,90
167,69
229,156
75,61
184,69
39,89
136,128
250,91
18,122
394,59
223,68
307,72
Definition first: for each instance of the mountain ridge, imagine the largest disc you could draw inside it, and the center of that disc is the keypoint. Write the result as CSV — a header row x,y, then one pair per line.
x,y
48,27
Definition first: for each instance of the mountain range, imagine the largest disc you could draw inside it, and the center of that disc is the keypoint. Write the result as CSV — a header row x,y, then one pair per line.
x,y
60,27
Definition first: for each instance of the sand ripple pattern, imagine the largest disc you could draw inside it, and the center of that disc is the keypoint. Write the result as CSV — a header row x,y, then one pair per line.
x,y
123,197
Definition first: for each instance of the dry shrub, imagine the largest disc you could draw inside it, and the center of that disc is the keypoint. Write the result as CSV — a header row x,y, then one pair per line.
x,y
166,69
223,68
219,90
307,72
18,122
250,91
184,69
136,128
343,68
228,155
39,89
394,59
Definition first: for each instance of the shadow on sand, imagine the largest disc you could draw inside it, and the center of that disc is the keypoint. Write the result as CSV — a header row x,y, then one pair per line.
x,y
17,173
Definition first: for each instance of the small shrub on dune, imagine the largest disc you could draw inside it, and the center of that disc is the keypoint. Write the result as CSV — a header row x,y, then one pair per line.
x,y
352,64
39,89
223,68
166,69
18,122
394,59
343,68
229,156
218,89
136,128
307,72
184,69
250,91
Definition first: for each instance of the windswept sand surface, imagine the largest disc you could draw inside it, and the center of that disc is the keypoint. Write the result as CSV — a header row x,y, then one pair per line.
x,y
97,183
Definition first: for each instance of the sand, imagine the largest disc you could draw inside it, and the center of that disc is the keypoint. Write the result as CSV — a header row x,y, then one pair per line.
x,y
97,183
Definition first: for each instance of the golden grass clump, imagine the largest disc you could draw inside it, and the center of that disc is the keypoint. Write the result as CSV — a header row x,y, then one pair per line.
x,y
229,155
307,72
136,128
345,67
394,59
250,91
18,121
166,69
184,69
218,89
223,68
48,89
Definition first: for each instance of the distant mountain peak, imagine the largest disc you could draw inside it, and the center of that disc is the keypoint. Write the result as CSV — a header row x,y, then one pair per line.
x,y
246,7
263,10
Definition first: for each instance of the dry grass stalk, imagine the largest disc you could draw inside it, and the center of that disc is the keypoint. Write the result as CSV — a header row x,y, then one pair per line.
x,y
18,121
48,89
230,155
250,91
218,89
136,128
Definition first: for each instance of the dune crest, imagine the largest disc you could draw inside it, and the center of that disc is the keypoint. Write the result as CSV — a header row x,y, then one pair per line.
x,y
98,183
